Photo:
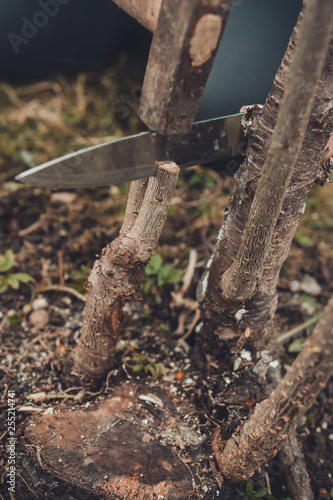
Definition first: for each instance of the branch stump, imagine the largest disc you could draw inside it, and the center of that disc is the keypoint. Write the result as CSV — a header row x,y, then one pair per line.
x,y
129,445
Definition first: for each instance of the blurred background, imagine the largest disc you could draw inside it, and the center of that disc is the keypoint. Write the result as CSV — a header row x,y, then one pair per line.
x,y
40,38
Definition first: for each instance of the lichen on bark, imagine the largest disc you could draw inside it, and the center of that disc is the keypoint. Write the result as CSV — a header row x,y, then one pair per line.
x,y
255,315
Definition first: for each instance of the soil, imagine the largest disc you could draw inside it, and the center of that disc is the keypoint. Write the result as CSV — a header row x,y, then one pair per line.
x,y
55,237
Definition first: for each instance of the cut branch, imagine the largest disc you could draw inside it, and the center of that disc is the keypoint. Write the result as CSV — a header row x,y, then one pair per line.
x,y
240,280
119,273
181,56
275,418
144,11
135,198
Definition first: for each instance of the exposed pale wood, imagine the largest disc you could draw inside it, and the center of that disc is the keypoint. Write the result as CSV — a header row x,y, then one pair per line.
x,y
240,280
181,56
144,11
276,418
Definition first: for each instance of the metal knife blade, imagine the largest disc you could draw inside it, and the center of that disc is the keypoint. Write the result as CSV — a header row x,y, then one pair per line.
x,y
136,157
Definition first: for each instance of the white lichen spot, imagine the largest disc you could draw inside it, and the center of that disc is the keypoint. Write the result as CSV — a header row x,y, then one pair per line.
x,y
209,263
204,284
274,364
245,355
240,313
220,234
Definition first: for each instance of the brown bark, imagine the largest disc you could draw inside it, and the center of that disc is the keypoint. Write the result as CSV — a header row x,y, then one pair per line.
x,y
239,281
295,471
144,11
275,418
119,273
182,53
252,321
116,449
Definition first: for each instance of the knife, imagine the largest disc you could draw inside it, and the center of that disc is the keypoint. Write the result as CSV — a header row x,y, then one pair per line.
x,y
138,156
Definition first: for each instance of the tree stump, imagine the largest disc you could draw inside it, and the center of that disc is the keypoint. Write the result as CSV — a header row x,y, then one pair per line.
x,y
131,445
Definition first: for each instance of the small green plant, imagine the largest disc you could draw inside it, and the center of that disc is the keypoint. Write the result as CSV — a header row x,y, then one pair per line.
x,y
7,279
79,277
246,492
296,345
302,239
142,363
160,273
202,179
14,319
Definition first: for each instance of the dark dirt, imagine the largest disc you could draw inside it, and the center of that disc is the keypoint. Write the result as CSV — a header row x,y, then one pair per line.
x,y
55,238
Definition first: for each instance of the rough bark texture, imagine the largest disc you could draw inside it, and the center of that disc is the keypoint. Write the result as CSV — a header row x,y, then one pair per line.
x,y
118,274
182,53
144,11
275,418
294,470
252,321
239,281
113,449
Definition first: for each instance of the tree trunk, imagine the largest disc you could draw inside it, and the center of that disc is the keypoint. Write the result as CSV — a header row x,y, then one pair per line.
x,y
275,418
118,274
238,323
240,279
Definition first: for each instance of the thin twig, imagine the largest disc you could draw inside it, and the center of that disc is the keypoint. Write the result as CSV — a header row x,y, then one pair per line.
x,y
192,325
67,289
61,266
188,276
297,329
